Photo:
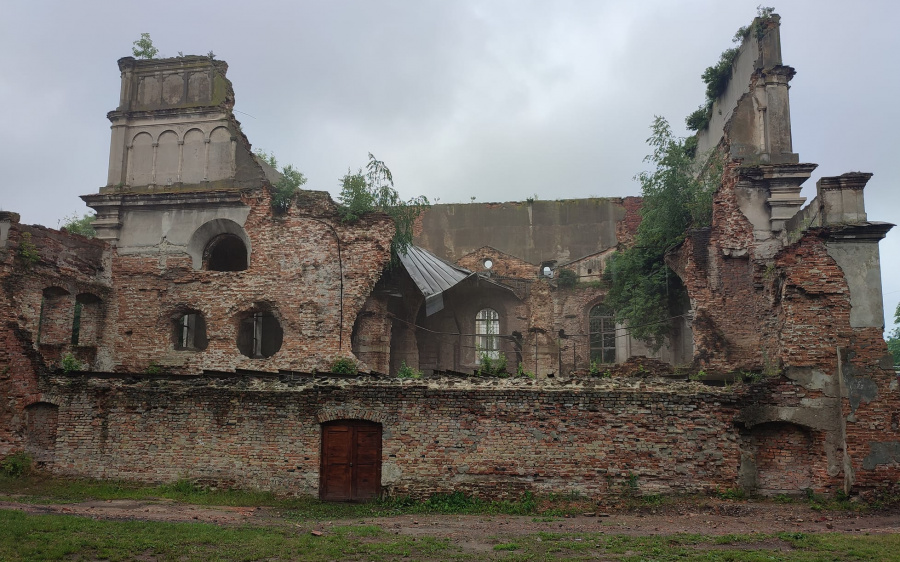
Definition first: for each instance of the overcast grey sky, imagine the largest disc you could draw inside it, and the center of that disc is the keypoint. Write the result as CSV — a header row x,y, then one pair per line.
x,y
497,100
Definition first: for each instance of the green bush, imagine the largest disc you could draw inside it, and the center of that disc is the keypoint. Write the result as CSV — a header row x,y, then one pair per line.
x,y
493,367
83,225
373,191
27,250
407,372
344,366
16,465
522,372
70,364
567,278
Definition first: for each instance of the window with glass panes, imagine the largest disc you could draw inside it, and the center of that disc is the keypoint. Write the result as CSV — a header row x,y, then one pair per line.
x,y
603,335
487,328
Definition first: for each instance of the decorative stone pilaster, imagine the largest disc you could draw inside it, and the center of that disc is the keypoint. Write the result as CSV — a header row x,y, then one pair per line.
x,y
782,183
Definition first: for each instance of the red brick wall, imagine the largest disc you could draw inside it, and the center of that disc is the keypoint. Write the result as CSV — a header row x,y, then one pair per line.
x,y
293,271
788,458
70,265
490,438
504,265
626,229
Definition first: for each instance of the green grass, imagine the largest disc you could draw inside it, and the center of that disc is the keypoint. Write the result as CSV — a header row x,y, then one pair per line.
x,y
56,537
43,489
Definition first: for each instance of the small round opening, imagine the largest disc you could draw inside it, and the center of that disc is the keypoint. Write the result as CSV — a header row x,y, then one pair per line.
x,y
488,263
547,271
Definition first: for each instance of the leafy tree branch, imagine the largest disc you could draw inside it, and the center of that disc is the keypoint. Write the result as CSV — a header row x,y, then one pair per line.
x,y
893,339
642,288
373,190
82,225
285,189
143,48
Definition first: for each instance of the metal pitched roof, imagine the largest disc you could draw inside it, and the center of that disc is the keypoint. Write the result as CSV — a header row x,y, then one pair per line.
x,y
432,275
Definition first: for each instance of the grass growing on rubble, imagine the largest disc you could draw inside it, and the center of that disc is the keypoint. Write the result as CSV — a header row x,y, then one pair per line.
x,y
58,537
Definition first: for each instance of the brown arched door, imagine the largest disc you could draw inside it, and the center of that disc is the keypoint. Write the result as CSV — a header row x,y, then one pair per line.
x,y
351,460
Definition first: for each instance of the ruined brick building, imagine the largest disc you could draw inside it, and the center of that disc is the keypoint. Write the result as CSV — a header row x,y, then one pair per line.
x,y
196,327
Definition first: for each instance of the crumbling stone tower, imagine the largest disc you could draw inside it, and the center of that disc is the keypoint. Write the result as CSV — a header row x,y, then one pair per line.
x,y
779,290
206,274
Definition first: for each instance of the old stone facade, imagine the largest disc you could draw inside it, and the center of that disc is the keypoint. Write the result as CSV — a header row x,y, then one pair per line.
x,y
193,338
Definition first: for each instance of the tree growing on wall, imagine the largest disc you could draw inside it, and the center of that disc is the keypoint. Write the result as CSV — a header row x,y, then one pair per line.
x,y
143,48
893,339
642,288
82,225
285,189
373,191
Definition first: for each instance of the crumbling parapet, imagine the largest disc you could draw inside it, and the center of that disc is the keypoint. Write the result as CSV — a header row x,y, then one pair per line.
x,y
751,118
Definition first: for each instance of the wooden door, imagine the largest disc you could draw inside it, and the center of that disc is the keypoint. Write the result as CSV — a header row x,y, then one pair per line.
x,y
351,461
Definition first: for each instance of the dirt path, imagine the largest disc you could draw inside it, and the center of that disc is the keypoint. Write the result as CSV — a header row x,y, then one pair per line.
x,y
707,517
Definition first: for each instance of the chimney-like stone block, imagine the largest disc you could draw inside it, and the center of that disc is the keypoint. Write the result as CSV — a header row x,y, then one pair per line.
x,y
841,198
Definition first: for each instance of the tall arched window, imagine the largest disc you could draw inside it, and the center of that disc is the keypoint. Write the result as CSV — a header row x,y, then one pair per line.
x,y
487,330
603,335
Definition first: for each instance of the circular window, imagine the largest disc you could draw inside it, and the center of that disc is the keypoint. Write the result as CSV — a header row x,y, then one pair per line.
x,y
488,263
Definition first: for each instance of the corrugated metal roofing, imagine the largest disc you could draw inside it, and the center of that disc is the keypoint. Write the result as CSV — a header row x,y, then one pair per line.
x,y
432,276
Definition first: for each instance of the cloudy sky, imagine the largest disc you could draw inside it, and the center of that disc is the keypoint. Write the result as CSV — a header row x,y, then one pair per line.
x,y
493,99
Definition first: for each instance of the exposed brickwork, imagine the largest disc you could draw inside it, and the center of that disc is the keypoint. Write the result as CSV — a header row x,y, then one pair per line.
x,y
64,266
483,438
813,293
626,229
293,271
824,413
503,264
787,458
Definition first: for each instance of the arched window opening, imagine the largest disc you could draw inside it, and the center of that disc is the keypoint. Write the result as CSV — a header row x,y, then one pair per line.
x,y
259,335
226,252
86,321
190,332
40,430
603,335
55,320
487,330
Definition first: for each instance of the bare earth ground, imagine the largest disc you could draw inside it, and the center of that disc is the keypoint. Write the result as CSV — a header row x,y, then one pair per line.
x,y
475,532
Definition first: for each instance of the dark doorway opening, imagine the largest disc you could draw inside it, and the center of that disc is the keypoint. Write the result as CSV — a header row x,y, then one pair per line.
x,y
351,461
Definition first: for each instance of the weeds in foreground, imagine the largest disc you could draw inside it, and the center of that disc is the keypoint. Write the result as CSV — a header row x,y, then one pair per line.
x,y
407,372
16,465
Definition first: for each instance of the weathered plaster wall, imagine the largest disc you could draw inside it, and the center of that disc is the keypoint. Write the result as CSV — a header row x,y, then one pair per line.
x,y
535,232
